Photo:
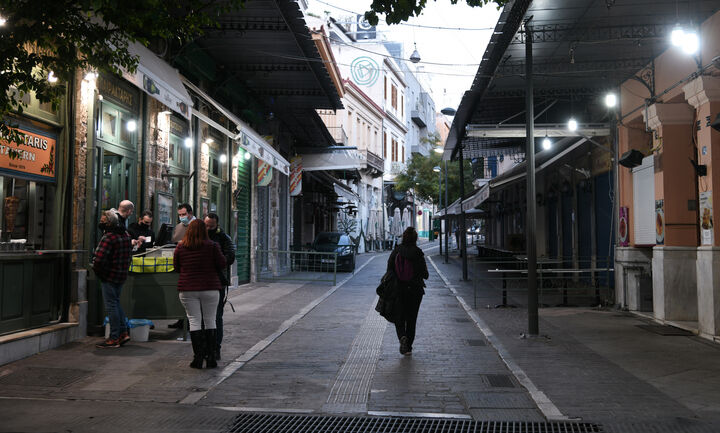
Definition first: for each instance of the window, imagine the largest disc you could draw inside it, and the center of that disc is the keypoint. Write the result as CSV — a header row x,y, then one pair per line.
x,y
393,96
385,88
402,105
403,153
384,145
394,144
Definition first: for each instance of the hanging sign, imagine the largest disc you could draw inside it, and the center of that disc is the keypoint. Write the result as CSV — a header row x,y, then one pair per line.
x,y
264,173
660,222
296,176
34,158
706,218
624,239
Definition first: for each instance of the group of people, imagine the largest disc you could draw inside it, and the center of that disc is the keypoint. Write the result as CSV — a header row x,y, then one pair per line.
x,y
203,257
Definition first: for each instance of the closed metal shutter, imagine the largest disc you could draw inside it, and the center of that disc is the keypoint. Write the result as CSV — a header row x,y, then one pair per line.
x,y
242,203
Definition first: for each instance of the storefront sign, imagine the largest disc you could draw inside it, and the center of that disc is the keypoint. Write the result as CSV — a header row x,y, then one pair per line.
x,y
264,173
296,176
117,91
34,158
624,239
706,218
660,222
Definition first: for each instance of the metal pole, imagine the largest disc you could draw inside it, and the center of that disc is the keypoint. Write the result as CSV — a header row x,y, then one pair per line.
x,y
530,201
447,228
439,204
463,235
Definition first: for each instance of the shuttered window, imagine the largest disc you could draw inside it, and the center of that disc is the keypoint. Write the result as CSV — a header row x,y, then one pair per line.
x,y
644,202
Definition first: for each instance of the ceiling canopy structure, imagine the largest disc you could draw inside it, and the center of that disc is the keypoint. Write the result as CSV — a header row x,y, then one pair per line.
x,y
263,58
581,49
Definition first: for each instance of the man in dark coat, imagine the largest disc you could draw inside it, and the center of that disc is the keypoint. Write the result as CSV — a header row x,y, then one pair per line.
x,y
411,286
141,232
227,247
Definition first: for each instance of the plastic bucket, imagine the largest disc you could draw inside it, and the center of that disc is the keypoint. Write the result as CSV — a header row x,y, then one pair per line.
x,y
139,329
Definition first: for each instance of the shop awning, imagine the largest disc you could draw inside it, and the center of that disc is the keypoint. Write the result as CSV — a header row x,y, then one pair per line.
x,y
474,200
340,188
330,159
159,80
250,140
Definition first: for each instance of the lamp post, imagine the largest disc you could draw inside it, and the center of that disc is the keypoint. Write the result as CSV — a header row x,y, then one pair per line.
x,y
446,211
437,169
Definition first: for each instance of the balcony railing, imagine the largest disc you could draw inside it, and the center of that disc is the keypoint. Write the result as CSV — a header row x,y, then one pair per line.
x,y
338,134
374,162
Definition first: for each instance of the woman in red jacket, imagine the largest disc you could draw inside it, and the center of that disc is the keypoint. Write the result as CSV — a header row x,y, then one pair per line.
x,y
198,259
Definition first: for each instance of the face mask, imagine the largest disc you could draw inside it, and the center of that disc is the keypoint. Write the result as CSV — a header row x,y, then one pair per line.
x,y
185,220
103,226
212,231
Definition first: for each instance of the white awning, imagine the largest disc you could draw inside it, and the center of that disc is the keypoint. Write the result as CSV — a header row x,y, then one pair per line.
x,y
340,188
159,80
541,130
333,160
250,140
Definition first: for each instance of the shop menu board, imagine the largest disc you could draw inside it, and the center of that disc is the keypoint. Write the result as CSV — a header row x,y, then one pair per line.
x,y
34,158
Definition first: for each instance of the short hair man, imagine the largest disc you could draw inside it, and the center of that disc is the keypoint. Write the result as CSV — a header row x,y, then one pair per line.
x,y
124,210
111,262
227,247
142,233
185,215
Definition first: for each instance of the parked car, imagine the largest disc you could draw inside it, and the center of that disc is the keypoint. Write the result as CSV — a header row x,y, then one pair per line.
x,y
329,242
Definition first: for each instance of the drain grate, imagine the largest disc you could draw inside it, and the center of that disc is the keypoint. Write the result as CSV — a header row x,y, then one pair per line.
x,y
500,380
40,376
266,423
666,330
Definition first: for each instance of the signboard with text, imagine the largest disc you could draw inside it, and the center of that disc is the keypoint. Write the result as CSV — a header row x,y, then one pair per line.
x,y
34,158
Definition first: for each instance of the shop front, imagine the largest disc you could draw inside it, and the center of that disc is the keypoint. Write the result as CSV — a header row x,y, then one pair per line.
x,y
34,278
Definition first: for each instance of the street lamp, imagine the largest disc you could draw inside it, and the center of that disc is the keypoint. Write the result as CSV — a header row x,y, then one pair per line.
x,y
437,169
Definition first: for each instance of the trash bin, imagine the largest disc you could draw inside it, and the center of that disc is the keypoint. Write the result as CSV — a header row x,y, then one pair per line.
x,y
139,329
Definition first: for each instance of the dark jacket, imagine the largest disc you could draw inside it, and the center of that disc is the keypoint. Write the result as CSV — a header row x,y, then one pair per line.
x,y
111,260
199,268
416,256
228,250
136,230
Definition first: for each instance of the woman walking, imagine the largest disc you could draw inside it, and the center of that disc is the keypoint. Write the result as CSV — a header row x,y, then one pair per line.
x,y
198,259
408,263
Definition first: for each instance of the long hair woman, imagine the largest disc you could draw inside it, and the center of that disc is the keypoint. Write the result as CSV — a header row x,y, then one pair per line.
x,y
198,259
408,263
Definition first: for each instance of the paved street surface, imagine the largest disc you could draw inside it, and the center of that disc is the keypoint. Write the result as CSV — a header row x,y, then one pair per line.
x,y
314,348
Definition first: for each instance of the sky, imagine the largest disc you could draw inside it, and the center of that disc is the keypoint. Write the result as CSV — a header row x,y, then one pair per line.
x,y
449,57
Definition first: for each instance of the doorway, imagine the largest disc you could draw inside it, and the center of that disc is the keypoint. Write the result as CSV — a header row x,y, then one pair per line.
x,y
118,179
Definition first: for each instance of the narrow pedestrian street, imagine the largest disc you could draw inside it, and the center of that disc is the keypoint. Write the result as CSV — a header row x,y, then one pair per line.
x,y
314,349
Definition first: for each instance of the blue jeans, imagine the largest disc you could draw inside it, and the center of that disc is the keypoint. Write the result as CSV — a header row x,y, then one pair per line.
x,y
116,315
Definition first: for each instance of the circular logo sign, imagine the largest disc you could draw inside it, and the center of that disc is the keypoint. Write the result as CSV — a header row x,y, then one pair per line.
x,y
365,71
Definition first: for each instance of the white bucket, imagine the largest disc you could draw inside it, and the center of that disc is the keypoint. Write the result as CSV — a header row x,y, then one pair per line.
x,y
107,331
140,333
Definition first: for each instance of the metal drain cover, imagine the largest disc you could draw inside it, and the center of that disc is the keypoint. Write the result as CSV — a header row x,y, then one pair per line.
x,y
267,423
500,380
40,376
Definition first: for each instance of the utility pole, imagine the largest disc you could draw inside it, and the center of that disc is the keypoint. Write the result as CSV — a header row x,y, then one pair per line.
x,y
530,198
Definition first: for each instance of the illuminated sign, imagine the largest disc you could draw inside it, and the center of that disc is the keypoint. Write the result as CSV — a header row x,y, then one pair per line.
x,y
34,158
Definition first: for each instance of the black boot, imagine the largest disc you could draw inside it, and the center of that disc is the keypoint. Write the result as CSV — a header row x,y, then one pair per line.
x,y
198,344
210,339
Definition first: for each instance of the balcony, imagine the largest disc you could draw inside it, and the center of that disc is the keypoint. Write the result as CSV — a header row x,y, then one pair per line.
x,y
374,164
418,117
338,134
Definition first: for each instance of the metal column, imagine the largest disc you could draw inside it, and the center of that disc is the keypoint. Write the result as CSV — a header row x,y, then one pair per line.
x,y
463,234
447,226
530,160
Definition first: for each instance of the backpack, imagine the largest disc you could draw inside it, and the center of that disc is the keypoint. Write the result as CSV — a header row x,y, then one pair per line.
x,y
403,268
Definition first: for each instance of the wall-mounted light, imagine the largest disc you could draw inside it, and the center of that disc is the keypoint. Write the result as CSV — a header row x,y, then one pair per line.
x,y
691,43
438,149
131,125
3,20
247,156
91,76
188,142
546,143
223,158
52,78
610,100
572,124
436,169
676,36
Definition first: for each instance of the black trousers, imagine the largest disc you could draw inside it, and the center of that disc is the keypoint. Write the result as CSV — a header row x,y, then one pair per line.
x,y
407,317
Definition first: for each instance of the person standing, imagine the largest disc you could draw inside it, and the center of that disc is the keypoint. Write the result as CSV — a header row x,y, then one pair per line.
x,y
227,247
124,210
185,216
141,232
408,263
111,262
198,259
